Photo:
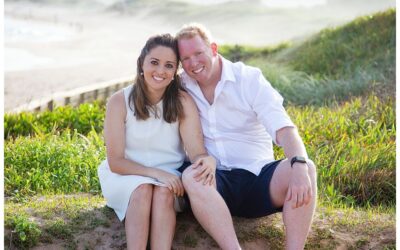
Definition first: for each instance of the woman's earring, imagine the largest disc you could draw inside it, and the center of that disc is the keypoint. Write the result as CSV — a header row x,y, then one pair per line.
x,y
173,78
141,73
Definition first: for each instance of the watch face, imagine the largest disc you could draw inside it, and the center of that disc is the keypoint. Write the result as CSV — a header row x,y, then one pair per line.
x,y
300,159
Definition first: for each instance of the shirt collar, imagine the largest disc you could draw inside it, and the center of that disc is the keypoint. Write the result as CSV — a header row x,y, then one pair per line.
x,y
227,74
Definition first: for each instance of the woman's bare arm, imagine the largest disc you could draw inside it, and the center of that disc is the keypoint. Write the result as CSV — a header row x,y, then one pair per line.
x,y
192,137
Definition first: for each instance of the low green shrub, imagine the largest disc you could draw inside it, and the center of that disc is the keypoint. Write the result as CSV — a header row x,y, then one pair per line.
x,y
83,119
25,233
51,164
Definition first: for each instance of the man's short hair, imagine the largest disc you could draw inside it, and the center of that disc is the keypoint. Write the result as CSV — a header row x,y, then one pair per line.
x,y
191,30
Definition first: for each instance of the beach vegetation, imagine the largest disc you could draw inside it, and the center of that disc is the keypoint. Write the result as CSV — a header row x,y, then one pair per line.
x,y
84,119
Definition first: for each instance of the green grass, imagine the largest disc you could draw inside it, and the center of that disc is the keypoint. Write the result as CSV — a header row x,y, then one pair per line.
x,y
190,240
242,52
354,148
300,88
51,164
368,41
53,218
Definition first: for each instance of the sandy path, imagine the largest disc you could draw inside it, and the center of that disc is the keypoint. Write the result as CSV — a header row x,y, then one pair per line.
x,y
56,48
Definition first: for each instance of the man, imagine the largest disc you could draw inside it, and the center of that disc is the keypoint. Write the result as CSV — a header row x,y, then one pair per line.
x,y
241,114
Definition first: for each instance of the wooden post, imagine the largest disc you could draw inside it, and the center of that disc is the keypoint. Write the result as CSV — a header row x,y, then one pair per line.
x,y
50,105
81,98
67,100
106,93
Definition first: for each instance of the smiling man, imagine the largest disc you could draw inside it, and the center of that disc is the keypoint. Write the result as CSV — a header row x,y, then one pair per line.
x,y
241,115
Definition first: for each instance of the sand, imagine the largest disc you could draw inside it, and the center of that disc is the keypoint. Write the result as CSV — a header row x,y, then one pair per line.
x,y
59,46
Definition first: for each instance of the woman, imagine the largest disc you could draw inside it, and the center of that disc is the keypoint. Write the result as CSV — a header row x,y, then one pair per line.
x,y
145,127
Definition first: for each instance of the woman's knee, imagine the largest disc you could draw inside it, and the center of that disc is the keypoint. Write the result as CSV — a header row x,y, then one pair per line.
x,y
142,194
162,195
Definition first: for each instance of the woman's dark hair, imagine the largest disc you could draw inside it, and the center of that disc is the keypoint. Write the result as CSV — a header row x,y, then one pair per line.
x,y
172,106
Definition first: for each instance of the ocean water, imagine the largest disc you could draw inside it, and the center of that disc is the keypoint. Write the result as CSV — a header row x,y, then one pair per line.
x,y
269,3
288,4
20,59
209,2
17,30
22,31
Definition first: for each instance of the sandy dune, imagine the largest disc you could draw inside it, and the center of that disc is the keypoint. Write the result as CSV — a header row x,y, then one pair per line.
x,y
50,48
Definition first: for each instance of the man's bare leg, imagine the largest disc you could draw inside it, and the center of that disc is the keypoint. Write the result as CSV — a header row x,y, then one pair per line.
x,y
297,220
210,211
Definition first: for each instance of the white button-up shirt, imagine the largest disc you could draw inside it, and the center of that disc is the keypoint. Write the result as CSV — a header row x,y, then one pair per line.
x,y
242,121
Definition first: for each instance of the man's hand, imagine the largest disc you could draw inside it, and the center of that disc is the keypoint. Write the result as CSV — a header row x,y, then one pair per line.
x,y
171,181
205,169
299,191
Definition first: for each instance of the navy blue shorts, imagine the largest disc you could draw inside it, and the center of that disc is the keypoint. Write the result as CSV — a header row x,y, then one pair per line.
x,y
246,194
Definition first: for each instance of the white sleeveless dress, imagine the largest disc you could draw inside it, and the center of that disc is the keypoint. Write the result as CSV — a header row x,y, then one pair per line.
x,y
152,143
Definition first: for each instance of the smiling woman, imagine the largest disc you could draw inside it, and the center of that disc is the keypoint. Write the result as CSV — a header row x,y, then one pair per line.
x,y
147,125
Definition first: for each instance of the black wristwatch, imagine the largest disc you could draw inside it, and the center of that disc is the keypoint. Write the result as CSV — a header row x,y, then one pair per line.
x,y
295,159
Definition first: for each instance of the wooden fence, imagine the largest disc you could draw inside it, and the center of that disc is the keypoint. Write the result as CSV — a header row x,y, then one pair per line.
x,y
100,91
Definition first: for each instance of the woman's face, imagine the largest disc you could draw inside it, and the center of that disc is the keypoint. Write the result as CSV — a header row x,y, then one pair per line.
x,y
159,67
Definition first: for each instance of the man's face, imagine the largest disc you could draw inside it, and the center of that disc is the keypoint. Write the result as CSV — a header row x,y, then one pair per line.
x,y
197,58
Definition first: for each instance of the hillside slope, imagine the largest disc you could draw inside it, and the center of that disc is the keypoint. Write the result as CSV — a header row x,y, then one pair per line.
x,y
334,65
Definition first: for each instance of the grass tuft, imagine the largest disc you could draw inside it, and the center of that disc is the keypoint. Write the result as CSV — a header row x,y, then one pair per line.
x,y
25,232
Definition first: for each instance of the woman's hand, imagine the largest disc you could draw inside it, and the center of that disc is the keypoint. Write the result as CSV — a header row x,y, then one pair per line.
x,y
205,167
171,181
